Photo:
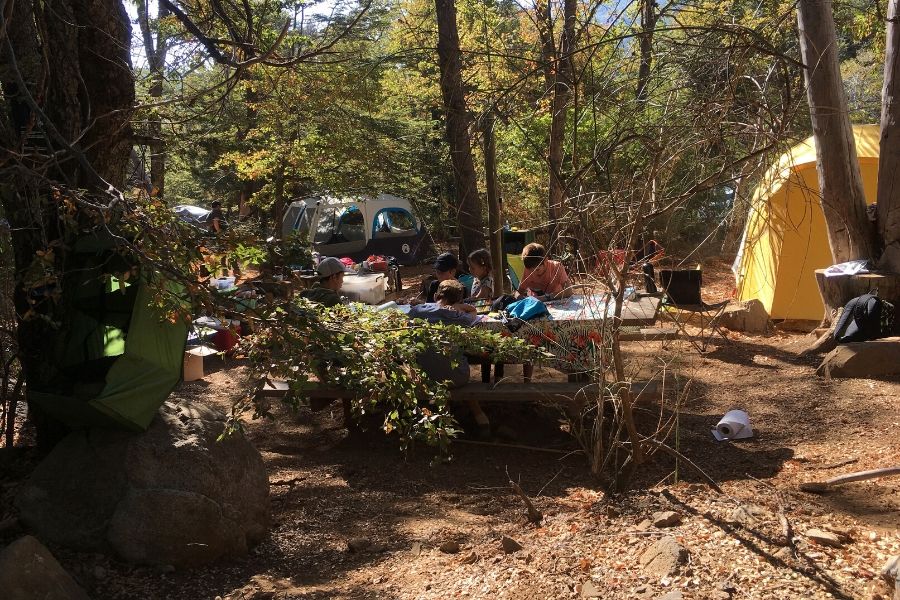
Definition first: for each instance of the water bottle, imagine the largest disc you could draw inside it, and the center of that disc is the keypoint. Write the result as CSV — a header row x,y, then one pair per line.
x,y
506,226
316,258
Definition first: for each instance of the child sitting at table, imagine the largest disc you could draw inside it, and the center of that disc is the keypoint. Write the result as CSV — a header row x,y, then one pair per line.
x,y
450,294
543,278
480,267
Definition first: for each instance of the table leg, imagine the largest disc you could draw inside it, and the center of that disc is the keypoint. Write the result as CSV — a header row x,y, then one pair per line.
x,y
485,371
527,372
498,372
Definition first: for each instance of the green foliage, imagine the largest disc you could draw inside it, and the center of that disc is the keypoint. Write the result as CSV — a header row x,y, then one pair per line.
x,y
373,355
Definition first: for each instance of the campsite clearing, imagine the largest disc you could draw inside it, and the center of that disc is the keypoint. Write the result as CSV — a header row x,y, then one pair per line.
x,y
330,489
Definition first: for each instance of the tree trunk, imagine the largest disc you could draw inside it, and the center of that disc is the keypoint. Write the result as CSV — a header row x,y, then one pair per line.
x,y
648,24
156,50
495,229
843,199
67,90
837,291
889,161
469,213
559,108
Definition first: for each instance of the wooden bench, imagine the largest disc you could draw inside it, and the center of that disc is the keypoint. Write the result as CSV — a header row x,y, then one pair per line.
x,y
570,394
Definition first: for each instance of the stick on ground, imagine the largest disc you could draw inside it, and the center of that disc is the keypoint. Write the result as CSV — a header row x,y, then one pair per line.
x,y
818,487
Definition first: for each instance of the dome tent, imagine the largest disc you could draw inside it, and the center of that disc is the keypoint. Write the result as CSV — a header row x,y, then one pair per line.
x,y
117,358
786,239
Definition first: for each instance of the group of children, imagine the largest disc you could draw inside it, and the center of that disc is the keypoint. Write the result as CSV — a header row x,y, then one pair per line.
x,y
543,278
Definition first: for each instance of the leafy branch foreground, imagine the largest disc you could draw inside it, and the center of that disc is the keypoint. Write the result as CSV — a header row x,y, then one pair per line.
x,y
372,355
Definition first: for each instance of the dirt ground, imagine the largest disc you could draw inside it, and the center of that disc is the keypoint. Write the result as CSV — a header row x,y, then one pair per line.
x,y
329,488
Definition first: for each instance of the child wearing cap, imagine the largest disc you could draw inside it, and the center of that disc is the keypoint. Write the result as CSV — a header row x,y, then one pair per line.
x,y
331,279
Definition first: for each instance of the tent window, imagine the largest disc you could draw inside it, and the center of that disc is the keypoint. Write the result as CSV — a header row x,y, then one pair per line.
x,y
351,227
301,225
337,226
325,229
396,221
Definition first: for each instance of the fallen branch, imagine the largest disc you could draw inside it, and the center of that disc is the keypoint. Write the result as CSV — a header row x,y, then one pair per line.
x,y
534,515
818,487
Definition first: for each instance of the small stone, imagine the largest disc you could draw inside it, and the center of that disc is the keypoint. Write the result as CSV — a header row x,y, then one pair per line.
x,y
673,595
99,572
873,536
644,525
826,538
166,568
416,549
783,553
612,512
747,514
663,558
720,595
667,518
510,545
358,544
469,559
449,547
589,590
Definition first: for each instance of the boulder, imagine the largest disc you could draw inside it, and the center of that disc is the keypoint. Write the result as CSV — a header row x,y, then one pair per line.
x,y
877,358
172,495
890,572
28,571
749,316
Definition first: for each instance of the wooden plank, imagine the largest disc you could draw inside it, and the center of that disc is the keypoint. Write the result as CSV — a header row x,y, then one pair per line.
x,y
640,312
551,391
649,334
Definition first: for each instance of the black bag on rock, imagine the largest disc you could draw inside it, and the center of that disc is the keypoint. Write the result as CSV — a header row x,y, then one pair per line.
x,y
864,318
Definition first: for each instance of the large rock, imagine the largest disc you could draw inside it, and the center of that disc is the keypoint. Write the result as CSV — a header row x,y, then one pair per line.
x,y
172,495
890,572
878,358
749,316
29,571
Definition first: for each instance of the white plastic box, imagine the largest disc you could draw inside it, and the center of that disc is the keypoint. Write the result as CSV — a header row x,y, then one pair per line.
x,y
369,288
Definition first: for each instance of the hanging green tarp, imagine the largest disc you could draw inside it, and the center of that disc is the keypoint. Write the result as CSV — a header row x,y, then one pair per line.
x,y
118,358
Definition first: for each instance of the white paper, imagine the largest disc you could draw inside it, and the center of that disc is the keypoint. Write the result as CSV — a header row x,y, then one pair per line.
x,y
847,268
735,425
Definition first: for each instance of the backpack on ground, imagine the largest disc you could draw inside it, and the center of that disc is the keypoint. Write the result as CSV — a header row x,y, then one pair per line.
x,y
865,317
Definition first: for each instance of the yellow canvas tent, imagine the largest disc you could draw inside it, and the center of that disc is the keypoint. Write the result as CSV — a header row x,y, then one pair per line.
x,y
785,239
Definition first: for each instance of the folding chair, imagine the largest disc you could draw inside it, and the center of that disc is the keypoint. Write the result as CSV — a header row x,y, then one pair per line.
x,y
515,270
682,295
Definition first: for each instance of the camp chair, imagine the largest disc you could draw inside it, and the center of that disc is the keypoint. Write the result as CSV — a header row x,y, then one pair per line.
x,y
515,270
682,295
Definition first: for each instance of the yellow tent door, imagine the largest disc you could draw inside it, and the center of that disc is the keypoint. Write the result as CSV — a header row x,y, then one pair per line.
x,y
785,239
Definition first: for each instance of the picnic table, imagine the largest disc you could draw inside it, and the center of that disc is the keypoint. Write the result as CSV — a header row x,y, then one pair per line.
x,y
577,326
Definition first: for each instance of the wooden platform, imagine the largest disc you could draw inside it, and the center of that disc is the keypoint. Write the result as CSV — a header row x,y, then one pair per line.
x,y
551,391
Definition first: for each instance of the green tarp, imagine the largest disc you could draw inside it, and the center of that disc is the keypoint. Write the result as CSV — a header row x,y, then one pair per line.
x,y
118,358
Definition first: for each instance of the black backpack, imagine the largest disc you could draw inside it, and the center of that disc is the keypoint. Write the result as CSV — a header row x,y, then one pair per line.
x,y
865,317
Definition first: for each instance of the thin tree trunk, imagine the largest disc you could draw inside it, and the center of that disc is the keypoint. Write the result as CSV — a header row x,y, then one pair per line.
x,y
494,227
469,213
889,161
840,183
559,107
648,24
156,50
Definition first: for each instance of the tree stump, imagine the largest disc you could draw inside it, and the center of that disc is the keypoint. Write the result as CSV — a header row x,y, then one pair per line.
x,y
838,290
